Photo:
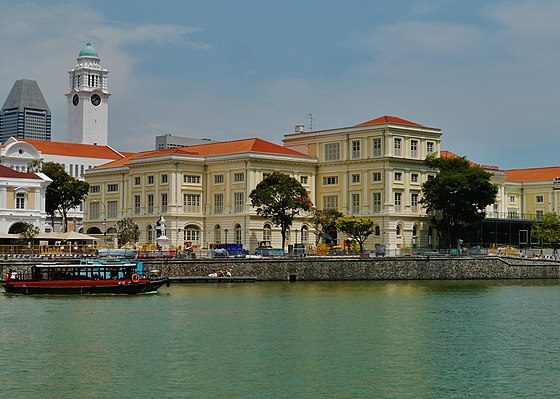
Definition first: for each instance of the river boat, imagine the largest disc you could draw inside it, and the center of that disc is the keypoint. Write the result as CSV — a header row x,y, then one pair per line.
x,y
91,276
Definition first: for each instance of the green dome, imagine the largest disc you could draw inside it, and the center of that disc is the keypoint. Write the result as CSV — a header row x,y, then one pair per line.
x,y
88,51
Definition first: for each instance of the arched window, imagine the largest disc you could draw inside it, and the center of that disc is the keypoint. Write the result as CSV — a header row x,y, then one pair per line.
x,y
149,233
267,232
399,230
217,234
304,234
377,231
238,236
191,234
414,231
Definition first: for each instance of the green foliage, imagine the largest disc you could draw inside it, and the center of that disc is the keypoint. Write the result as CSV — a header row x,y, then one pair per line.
x,y
547,230
280,198
324,221
28,232
127,231
457,195
64,193
356,228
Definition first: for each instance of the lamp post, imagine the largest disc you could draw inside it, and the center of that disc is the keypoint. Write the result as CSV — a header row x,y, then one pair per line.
x,y
104,220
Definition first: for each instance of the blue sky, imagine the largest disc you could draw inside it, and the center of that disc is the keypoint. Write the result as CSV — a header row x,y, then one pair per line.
x,y
485,72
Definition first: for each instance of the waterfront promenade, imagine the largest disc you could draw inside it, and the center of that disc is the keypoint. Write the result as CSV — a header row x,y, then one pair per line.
x,y
346,269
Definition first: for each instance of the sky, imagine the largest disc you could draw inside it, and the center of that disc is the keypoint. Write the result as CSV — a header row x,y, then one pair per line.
x,y
484,72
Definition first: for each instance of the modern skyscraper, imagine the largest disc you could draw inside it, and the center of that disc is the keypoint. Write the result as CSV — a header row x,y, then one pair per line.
x,y
88,100
25,114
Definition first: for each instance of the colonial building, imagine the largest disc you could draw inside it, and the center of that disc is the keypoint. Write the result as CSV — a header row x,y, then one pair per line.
x,y
25,114
374,170
88,98
22,199
75,158
202,191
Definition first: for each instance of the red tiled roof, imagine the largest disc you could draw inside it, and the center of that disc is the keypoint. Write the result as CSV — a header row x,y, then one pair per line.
x,y
389,119
74,149
533,174
11,173
212,149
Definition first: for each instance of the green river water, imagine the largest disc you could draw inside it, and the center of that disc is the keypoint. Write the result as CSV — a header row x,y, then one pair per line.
x,y
422,339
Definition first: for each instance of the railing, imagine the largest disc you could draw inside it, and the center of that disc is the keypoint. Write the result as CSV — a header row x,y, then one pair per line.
x,y
513,216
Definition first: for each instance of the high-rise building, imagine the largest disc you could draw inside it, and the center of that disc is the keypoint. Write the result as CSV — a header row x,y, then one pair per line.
x,y
88,97
25,114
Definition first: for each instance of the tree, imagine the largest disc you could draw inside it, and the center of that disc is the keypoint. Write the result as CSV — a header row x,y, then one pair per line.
x,y
356,228
547,230
280,198
28,232
127,231
64,193
458,194
324,221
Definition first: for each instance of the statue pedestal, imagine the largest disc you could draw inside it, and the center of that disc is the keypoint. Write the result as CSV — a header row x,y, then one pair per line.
x,y
163,242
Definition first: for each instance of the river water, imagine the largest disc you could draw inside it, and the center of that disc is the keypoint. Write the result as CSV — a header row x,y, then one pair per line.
x,y
422,339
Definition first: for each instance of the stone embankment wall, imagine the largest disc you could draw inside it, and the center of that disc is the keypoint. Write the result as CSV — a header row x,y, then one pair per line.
x,y
340,269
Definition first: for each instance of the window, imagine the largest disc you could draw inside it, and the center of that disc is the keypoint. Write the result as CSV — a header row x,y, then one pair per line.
x,y
540,199
111,209
150,202
376,203
304,179
355,199
150,179
164,179
414,177
399,230
540,215
218,179
191,179
398,176
355,178
217,234
512,199
332,152
414,148
94,210
238,202
238,234
398,202
512,214
112,187
238,177
191,203
82,170
94,189
376,176
163,203
137,204
330,180
397,147
356,149
429,147
20,200
137,181
377,231
219,203
192,234
267,233
330,202
414,202
376,145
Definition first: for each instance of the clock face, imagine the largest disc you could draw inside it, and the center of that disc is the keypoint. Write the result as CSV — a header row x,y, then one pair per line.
x,y
95,99
75,99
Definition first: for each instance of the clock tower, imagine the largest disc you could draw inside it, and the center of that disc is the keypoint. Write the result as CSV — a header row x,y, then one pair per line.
x,y
88,100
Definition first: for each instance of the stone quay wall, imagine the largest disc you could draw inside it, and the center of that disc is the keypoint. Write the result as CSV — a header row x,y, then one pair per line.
x,y
346,269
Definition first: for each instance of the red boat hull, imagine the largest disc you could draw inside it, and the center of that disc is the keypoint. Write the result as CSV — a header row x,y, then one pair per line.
x,y
65,287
